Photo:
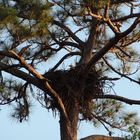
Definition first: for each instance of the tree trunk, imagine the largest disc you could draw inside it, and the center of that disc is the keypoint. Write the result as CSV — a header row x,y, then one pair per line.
x,y
102,137
73,112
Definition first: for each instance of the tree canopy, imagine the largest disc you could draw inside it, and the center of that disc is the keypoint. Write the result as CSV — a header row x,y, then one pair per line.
x,y
94,44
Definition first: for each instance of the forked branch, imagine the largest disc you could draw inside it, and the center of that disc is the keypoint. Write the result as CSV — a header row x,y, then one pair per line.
x,y
38,78
111,44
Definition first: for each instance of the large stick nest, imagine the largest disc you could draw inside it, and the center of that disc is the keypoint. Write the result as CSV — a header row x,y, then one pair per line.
x,y
74,84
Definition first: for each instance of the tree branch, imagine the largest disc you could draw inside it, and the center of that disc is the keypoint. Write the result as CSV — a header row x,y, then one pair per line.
x,y
126,17
105,19
72,44
64,43
119,98
131,28
42,81
101,119
69,32
122,75
112,27
111,44
6,53
63,58
20,74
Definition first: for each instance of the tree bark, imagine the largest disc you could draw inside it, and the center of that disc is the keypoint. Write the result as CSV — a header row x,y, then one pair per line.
x,y
102,137
73,112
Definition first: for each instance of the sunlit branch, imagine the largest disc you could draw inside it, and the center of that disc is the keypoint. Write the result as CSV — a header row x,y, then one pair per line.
x,y
20,74
111,44
46,85
105,19
35,81
112,27
98,17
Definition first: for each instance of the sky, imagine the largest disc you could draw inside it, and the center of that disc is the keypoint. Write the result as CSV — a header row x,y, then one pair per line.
x,y
42,125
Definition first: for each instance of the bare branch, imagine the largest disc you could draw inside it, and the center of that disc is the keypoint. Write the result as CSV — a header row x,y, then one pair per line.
x,y
20,74
122,75
72,44
105,19
119,98
63,58
44,85
109,78
131,28
65,43
69,32
98,17
126,17
102,52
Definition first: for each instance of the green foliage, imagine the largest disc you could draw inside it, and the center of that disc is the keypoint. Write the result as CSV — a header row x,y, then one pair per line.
x,y
7,12
32,9
7,15
25,19
134,133
1,88
111,113
95,3
13,90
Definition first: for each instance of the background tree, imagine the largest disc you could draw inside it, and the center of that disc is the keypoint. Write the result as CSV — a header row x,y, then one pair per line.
x,y
99,40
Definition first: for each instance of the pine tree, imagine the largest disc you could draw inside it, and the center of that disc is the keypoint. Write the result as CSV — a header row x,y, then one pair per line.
x,y
97,37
